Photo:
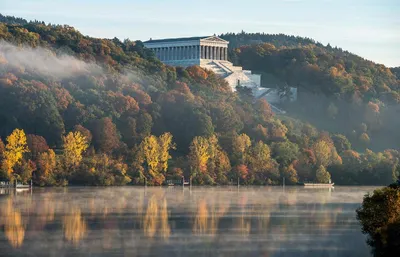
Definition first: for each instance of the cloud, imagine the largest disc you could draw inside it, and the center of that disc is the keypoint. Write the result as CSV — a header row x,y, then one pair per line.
x,y
45,62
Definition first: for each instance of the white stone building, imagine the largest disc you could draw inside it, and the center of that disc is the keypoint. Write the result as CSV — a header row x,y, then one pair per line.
x,y
207,52
212,53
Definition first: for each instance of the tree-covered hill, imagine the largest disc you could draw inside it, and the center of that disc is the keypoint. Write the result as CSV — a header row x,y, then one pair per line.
x,y
82,110
338,91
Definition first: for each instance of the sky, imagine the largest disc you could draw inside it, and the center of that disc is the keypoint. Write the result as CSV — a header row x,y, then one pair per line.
x,y
369,28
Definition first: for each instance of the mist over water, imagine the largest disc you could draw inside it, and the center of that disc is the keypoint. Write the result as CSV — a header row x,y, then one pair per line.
x,y
225,221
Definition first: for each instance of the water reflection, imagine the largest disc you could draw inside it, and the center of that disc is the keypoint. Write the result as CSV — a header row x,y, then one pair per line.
x,y
178,222
11,219
156,218
74,225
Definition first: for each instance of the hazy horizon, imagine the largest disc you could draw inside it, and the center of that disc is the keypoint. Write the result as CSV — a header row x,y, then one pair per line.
x,y
367,28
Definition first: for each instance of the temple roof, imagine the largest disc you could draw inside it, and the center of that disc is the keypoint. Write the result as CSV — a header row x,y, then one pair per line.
x,y
182,39
174,39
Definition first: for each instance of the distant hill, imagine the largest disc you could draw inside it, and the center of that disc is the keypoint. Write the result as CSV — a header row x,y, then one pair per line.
x,y
12,20
278,40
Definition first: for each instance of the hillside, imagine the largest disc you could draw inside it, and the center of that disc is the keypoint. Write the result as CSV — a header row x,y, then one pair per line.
x,y
81,110
354,96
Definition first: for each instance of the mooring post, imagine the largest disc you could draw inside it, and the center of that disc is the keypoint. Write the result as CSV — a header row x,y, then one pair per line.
x,y
238,182
183,181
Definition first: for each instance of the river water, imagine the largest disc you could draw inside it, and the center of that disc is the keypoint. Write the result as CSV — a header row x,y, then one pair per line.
x,y
202,221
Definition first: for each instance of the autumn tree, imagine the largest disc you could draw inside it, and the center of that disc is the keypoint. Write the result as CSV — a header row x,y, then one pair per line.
x,y
262,168
199,154
290,175
105,135
322,175
15,148
46,166
36,144
74,144
84,132
240,147
153,156
263,109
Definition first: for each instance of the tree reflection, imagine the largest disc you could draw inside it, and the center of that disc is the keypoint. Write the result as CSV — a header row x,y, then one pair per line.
x,y
207,218
74,226
156,218
14,229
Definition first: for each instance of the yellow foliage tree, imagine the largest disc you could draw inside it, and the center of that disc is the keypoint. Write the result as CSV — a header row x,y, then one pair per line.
x,y
14,150
74,146
199,154
154,153
165,143
241,145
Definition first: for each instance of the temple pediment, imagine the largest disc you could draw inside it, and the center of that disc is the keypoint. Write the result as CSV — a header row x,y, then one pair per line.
x,y
214,39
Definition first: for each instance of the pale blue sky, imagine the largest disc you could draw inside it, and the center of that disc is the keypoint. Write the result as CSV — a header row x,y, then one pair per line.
x,y
369,28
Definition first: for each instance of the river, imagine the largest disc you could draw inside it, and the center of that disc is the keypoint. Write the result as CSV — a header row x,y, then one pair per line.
x,y
201,221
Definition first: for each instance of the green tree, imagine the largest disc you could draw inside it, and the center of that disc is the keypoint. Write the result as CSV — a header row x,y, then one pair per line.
x,y
379,216
285,152
341,143
240,147
322,175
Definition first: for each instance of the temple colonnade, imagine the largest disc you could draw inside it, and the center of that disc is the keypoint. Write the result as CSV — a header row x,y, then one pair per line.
x,y
172,53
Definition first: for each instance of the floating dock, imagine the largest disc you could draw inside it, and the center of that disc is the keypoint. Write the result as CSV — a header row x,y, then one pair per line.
x,y
319,184
14,185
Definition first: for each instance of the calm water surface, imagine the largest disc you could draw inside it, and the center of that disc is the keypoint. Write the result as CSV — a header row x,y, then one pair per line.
x,y
226,221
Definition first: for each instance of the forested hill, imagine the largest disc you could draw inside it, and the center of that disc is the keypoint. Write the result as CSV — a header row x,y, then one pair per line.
x,y
81,110
12,20
237,40
338,91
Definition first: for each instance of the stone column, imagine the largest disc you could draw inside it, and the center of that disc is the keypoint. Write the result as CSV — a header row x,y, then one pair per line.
x,y
198,52
226,53
202,53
